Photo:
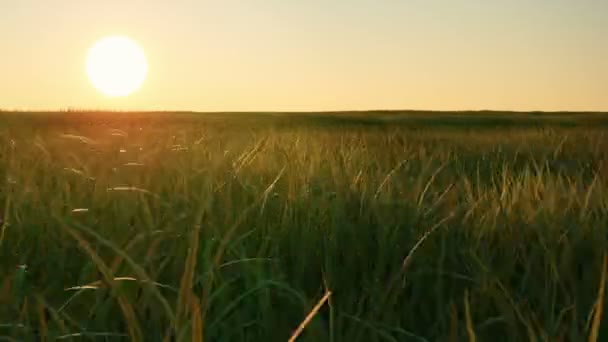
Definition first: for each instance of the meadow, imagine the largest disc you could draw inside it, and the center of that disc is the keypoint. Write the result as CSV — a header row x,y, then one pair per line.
x,y
385,226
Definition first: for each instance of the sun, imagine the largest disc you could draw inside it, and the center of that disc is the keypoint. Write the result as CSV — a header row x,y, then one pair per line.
x,y
116,66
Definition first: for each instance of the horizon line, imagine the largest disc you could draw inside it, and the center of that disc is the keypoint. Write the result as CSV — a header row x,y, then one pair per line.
x,y
84,110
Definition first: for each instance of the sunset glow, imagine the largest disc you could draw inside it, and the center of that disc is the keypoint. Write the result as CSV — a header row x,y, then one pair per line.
x,y
307,55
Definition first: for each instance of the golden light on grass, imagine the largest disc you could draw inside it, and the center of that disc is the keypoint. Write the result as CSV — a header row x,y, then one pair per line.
x,y
116,66
310,316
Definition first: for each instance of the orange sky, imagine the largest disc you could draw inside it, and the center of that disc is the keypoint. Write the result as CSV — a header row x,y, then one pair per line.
x,y
283,55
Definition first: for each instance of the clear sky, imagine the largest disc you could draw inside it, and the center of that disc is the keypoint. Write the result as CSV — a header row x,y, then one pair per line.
x,y
288,55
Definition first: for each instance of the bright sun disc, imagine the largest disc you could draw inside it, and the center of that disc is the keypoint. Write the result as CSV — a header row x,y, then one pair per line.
x,y
116,66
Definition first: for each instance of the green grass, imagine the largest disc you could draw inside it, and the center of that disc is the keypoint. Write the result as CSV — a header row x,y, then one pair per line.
x,y
232,227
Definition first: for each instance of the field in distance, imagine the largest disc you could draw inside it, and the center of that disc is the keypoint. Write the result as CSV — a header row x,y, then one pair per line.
x,y
402,226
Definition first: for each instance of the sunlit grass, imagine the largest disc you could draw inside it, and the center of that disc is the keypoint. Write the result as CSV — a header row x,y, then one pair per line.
x,y
230,228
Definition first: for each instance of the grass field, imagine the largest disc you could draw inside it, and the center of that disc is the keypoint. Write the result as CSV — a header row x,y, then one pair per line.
x,y
233,227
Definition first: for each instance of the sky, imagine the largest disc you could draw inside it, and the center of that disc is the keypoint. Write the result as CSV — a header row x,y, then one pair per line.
x,y
313,55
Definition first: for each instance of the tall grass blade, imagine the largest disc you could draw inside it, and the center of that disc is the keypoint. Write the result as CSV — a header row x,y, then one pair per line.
x,y
309,317
599,303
